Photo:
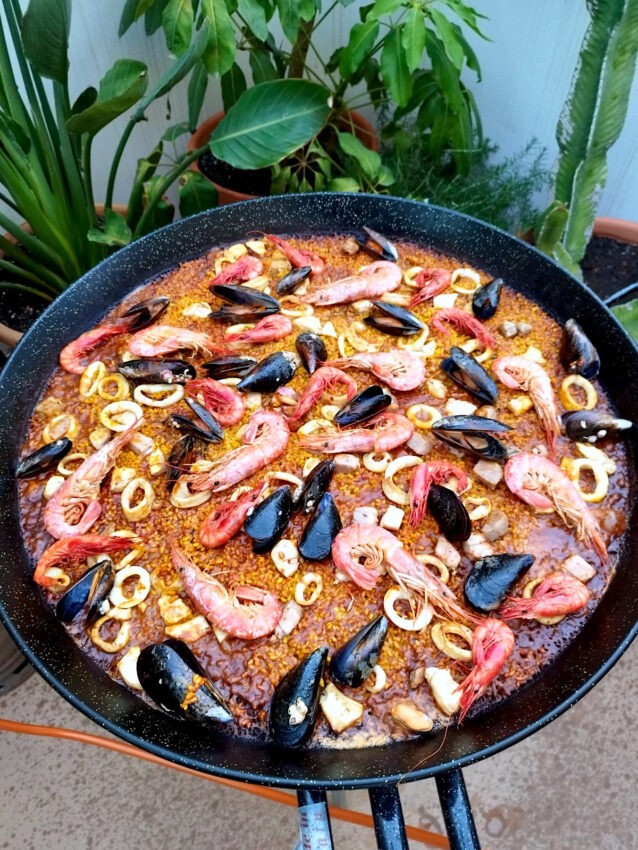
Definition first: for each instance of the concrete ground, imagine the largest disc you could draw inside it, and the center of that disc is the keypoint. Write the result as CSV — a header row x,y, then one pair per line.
x,y
573,785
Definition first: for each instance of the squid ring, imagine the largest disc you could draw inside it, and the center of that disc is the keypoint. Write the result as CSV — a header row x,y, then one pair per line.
x,y
379,680
471,346
408,624
62,467
466,275
61,578
410,275
573,468
437,563
423,415
299,309
140,592
478,508
528,591
416,343
143,394
391,489
312,582
317,425
567,398
122,389
123,635
358,342
377,461
64,425
440,635
181,497
134,512
400,299
120,415
91,377
131,556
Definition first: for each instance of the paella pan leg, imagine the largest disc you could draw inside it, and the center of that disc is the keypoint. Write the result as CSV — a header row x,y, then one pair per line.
x,y
457,812
314,821
388,817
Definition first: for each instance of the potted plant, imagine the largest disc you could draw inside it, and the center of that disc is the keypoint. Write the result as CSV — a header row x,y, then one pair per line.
x,y
295,128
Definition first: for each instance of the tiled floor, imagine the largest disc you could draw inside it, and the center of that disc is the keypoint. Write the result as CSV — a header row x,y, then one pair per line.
x,y
573,785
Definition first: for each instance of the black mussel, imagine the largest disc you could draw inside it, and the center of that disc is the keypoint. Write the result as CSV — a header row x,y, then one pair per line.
x,y
268,520
468,373
377,246
577,354
229,367
174,679
244,303
477,443
353,662
189,427
470,423
145,312
485,299
270,373
450,513
205,416
99,603
295,702
312,350
178,459
363,406
588,426
82,592
321,529
393,320
160,371
44,458
289,282
315,484
493,577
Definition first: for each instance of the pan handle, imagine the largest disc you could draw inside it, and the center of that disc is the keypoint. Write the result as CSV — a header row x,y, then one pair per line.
x,y
315,831
388,817
457,811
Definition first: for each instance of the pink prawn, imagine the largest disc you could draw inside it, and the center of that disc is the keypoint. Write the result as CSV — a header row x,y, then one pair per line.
x,y
382,434
77,548
299,257
431,282
465,322
492,645
556,595
225,403
165,339
371,281
400,370
224,521
268,329
426,474
245,268
72,354
323,379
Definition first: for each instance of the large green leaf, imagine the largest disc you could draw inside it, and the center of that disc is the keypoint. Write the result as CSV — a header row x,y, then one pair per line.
x,y
196,194
177,23
627,315
220,51
261,65
468,15
289,17
176,71
383,7
453,49
116,231
45,37
122,86
446,74
153,17
233,85
269,122
394,69
370,161
196,93
362,38
133,9
413,37
253,12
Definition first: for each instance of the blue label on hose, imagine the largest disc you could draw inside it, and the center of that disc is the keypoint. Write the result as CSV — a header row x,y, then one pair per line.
x,y
314,827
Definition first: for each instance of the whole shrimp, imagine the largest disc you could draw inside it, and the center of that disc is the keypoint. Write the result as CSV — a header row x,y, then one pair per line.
x,y
426,474
385,432
365,551
71,356
492,645
268,329
371,281
245,268
165,339
464,321
74,507
430,282
299,257
556,595
324,378
539,482
77,548
266,438
224,521
400,370
223,608
521,373
225,403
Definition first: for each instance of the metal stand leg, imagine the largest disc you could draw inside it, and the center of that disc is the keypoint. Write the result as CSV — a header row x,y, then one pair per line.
x,y
457,811
314,820
389,825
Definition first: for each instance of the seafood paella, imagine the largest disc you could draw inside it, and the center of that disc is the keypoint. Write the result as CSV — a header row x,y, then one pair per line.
x,y
331,491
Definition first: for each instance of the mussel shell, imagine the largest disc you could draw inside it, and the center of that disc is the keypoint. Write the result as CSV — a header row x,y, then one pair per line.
x,y
162,371
321,529
468,373
177,459
476,443
146,312
470,423
577,354
243,303
166,672
289,282
363,406
189,427
312,350
450,513
393,320
268,520
353,662
491,578
588,426
82,592
99,604
43,458
485,299
205,416
303,683
385,251
316,483
229,367
270,373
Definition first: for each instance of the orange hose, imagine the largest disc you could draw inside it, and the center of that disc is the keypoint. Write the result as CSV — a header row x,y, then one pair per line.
x,y
433,839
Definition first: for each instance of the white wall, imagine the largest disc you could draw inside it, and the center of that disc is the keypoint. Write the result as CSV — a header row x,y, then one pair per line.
x,y
526,72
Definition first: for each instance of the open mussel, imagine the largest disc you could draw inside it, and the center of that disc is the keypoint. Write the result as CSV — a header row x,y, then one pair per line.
x,y
289,282
377,246
146,312
393,320
468,373
577,354
469,433
493,577
485,299
244,303
173,678
43,458
270,373
192,429
353,662
158,371
91,589
268,520
178,459
206,417
321,529
295,702
312,350
316,483
229,367
449,512
363,406
589,426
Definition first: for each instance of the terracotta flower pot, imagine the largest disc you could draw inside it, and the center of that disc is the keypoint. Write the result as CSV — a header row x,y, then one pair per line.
x,y
363,130
617,228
